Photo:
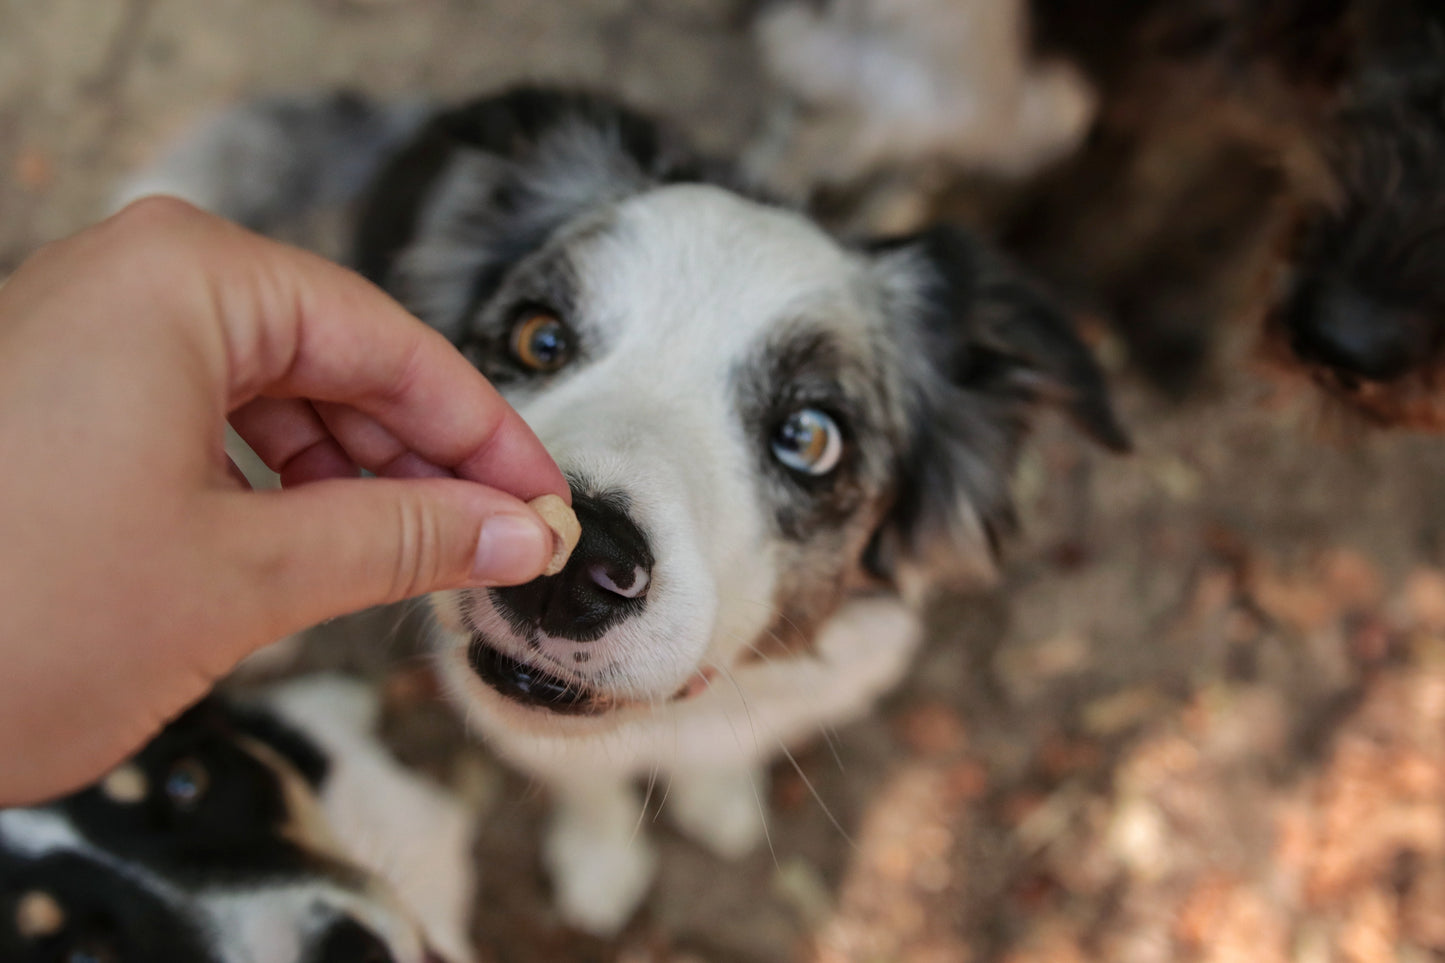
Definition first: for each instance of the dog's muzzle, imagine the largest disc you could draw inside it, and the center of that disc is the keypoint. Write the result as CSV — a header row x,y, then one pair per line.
x,y
604,583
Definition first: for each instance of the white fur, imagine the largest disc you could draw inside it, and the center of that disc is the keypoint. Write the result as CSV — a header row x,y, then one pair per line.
x,y
665,322
710,747
405,829
600,862
653,414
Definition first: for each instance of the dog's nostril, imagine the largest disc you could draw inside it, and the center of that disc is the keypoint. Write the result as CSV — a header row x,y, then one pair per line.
x,y
604,582
628,584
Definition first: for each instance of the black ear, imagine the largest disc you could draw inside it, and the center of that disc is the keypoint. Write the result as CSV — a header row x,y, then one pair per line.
x,y
984,350
486,183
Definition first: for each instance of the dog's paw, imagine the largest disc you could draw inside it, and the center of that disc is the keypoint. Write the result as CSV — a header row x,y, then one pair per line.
x,y
722,809
600,863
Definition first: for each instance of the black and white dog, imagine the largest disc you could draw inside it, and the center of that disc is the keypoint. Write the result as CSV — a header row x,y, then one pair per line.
x,y
778,441
271,831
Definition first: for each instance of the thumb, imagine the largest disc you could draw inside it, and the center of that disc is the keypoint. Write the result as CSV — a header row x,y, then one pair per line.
x,y
333,547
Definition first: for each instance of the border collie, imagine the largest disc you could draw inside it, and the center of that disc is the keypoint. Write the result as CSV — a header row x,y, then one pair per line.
x,y
778,441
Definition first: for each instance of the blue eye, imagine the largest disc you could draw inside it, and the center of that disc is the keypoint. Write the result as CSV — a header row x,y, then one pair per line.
x,y
808,441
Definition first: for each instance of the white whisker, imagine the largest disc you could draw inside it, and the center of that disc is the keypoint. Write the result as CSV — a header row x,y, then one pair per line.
x,y
817,797
646,798
830,738
757,796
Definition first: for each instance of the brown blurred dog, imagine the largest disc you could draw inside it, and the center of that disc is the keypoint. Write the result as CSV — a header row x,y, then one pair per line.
x,y
1281,161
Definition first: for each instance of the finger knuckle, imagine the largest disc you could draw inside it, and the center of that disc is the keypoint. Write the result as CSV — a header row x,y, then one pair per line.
x,y
420,561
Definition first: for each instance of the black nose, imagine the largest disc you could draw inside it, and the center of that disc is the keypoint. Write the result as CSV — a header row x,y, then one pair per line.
x,y
1357,335
605,581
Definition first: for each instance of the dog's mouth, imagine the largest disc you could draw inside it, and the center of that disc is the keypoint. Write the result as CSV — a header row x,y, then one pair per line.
x,y
530,685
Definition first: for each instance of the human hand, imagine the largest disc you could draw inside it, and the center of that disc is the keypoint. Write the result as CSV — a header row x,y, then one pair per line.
x,y
135,566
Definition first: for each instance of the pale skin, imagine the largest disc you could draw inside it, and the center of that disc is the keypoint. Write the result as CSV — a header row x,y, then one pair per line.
x,y
136,567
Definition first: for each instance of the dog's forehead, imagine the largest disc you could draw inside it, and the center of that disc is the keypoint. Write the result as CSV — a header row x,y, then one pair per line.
x,y
720,267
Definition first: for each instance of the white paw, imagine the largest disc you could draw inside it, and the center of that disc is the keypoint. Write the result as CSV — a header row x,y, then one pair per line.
x,y
720,809
600,862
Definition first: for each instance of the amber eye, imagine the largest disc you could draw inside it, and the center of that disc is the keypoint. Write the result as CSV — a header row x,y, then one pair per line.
x,y
186,784
541,341
808,441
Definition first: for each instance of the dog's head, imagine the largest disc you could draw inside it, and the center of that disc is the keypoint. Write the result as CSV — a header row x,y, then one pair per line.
x,y
206,847
1364,304
755,417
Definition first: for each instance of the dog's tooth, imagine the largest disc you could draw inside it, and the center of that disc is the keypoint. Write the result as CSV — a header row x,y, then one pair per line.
x,y
38,915
566,530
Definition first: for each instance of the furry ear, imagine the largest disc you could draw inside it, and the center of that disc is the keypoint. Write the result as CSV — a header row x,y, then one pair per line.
x,y
486,183
985,349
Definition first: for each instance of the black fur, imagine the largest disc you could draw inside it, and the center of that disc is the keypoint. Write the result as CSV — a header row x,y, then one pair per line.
x,y
233,825
107,918
213,817
511,128
988,348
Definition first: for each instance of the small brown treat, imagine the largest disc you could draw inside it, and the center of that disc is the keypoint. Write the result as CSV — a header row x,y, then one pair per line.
x,y
565,529
38,915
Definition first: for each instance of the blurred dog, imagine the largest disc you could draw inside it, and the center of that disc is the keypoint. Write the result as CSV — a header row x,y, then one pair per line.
x,y
245,832
777,442
1362,304
1164,221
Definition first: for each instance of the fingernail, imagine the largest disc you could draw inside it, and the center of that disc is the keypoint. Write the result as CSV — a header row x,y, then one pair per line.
x,y
511,550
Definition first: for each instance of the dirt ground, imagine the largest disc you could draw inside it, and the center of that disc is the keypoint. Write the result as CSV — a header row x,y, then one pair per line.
x,y
1202,719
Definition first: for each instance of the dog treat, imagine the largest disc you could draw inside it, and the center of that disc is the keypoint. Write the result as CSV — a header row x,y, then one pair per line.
x,y
565,529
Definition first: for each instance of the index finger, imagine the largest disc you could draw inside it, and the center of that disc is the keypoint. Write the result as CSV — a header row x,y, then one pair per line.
x,y
293,324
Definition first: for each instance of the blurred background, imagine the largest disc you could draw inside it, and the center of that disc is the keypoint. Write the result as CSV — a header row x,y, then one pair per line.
x,y
1202,717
